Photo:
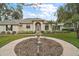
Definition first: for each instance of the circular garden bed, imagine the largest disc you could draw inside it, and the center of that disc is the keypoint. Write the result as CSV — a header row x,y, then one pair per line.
x,y
47,48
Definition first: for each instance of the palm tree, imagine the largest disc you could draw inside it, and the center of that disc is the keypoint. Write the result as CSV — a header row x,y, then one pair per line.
x,y
19,10
71,14
3,8
60,14
72,7
16,15
6,10
75,21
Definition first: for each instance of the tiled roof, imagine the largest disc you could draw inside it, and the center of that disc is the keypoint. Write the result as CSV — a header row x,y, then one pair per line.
x,y
9,22
28,20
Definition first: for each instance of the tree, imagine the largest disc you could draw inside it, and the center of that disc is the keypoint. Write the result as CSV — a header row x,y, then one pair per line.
x,y
3,8
75,20
66,12
72,7
62,14
10,12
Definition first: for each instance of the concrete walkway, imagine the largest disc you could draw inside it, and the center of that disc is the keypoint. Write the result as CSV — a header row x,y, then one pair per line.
x,y
69,49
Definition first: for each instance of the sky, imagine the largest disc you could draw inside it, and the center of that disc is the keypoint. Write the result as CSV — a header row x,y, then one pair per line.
x,y
45,11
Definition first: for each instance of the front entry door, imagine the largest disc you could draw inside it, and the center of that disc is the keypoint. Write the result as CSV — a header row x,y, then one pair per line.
x,y
38,26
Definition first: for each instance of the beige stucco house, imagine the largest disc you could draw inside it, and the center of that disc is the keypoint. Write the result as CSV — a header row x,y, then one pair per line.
x,y
29,24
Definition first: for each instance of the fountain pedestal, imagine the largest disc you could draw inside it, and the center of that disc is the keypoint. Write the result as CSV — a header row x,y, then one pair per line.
x,y
38,34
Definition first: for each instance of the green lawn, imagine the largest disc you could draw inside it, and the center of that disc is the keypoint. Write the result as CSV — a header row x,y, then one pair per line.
x,y
69,37
8,38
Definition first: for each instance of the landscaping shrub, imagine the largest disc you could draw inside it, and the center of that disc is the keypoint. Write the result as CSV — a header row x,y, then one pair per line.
x,y
34,32
13,32
68,29
42,31
3,32
8,32
47,32
71,30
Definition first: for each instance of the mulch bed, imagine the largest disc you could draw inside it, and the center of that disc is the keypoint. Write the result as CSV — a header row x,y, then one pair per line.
x,y
47,48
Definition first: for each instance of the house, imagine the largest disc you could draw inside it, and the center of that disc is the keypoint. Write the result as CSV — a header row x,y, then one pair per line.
x,y
29,24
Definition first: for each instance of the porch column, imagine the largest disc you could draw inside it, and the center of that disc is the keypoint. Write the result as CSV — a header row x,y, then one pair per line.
x,y
50,28
42,26
61,27
33,26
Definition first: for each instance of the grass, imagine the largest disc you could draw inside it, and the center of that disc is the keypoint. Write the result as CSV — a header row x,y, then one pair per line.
x,y
69,37
4,39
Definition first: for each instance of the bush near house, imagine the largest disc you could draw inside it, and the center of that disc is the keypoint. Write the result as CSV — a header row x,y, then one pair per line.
x,y
3,32
55,31
58,31
46,32
13,32
8,32
68,29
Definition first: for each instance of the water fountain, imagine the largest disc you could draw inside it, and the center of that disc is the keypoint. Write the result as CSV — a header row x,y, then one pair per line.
x,y
38,46
39,43
38,34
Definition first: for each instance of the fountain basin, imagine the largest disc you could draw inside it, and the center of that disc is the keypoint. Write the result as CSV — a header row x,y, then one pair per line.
x,y
47,48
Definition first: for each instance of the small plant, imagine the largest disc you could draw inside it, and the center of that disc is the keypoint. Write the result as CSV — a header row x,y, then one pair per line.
x,y
8,32
3,32
42,31
47,32
13,32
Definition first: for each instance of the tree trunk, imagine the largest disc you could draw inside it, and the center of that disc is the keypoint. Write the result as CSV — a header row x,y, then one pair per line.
x,y
75,26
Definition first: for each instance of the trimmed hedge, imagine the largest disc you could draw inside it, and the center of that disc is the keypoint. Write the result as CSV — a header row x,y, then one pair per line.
x,y
67,29
13,32
8,32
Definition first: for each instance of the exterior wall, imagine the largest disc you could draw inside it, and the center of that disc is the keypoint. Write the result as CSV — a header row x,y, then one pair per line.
x,y
50,29
33,26
19,28
42,26
16,28
23,27
61,26
2,28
